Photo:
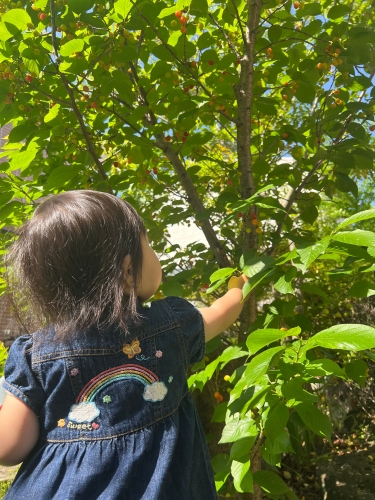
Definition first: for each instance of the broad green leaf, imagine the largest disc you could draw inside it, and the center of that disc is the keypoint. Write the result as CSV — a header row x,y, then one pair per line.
x,y
272,483
259,365
62,175
366,214
81,5
293,390
22,160
172,287
308,253
260,338
243,478
314,419
123,7
277,419
347,337
257,264
241,447
52,113
75,45
357,370
362,289
220,412
238,429
309,288
328,366
357,237
338,11
221,463
222,273
18,17
256,280
284,283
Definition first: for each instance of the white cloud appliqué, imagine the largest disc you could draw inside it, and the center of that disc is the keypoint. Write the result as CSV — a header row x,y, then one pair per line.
x,y
83,412
155,392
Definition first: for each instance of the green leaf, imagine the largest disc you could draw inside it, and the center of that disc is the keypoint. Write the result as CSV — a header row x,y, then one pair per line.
x,y
310,252
362,289
347,337
52,113
243,478
257,264
366,214
256,280
284,283
81,6
274,33
357,370
18,17
260,338
338,11
220,412
241,447
122,7
198,7
75,45
259,365
62,175
277,419
23,159
293,390
357,237
172,287
314,419
221,463
309,288
225,272
305,92
272,483
238,429
328,366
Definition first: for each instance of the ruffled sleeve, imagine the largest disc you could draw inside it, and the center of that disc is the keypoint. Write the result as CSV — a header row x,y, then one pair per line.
x,y
20,379
192,327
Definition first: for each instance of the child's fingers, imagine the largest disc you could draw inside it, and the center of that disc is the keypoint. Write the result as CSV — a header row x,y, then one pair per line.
x,y
236,282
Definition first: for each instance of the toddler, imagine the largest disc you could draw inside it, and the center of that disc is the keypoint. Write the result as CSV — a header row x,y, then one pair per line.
x,y
97,403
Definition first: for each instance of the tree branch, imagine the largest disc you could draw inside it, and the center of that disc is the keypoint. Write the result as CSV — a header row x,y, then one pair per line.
x,y
224,33
65,82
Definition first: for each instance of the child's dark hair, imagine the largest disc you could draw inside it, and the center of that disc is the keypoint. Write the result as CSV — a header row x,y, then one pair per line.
x,y
67,265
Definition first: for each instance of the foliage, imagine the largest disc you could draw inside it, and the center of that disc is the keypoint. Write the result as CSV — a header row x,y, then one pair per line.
x,y
3,356
4,486
243,117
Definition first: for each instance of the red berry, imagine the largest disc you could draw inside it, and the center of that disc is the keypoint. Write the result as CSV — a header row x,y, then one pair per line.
x,y
42,16
94,105
230,182
183,20
115,163
178,13
186,134
148,172
372,128
155,170
191,86
285,135
211,62
183,139
29,78
296,5
240,215
168,138
269,50
206,285
186,89
183,29
253,216
85,88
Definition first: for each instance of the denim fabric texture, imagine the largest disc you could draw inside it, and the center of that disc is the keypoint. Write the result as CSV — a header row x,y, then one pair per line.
x,y
117,421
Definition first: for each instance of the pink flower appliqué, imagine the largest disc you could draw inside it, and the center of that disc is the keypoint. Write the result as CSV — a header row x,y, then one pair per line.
x,y
159,354
74,372
95,426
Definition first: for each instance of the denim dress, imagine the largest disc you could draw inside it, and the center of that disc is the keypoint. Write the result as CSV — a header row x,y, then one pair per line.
x,y
117,421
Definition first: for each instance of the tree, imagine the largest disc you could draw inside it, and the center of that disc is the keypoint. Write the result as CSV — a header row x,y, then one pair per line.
x,y
192,110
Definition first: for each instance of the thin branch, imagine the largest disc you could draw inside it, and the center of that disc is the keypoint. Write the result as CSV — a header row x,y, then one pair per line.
x,y
225,34
65,82
238,20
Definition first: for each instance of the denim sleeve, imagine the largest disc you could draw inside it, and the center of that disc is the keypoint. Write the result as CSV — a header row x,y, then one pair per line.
x,y
192,326
20,379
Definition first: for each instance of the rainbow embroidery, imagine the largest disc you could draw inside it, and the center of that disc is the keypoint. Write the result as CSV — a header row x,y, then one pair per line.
x,y
85,409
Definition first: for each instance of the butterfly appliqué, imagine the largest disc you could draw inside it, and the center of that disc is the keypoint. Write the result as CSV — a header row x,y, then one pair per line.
x,y
132,349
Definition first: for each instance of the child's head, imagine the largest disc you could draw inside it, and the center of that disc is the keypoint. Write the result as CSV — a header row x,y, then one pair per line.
x,y
72,259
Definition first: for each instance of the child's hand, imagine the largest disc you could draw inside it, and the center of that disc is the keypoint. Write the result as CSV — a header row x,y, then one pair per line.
x,y
237,282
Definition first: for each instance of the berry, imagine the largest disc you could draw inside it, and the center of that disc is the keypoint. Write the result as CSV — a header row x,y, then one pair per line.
x,y
372,128
218,396
296,5
168,138
285,97
42,16
85,88
227,378
206,285
183,20
269,50
178,13
211,62
230,182
115,163
94,105
239,215
285,135
186,134
155,170
183,30
29,78
254,222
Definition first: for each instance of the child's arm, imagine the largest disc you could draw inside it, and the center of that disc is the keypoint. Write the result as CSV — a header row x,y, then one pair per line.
x,y
224,311
19,431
